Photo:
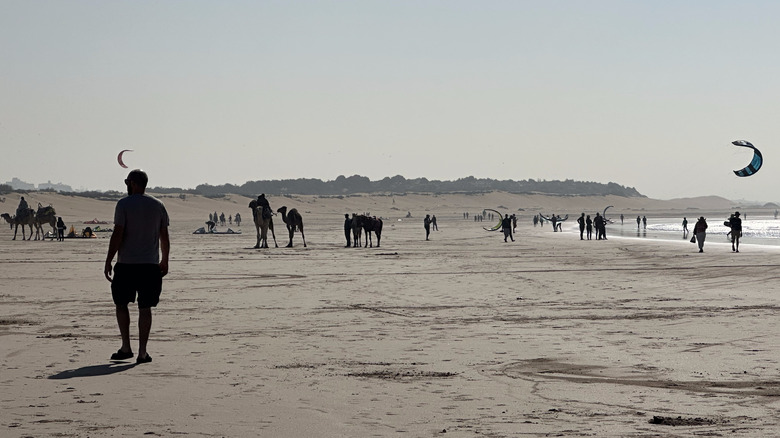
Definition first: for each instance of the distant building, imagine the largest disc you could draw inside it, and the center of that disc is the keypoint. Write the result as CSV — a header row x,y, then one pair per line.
x,y
18,184
60,187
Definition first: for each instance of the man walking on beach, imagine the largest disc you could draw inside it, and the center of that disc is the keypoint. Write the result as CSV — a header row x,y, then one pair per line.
x,y
506,227
700,232
736,231
140,234
685,227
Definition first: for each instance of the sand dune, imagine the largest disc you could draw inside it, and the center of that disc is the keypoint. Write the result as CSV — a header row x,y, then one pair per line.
x,y
462,335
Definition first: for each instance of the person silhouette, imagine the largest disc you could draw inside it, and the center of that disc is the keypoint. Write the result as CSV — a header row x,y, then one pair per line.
x,y
581,222
506,227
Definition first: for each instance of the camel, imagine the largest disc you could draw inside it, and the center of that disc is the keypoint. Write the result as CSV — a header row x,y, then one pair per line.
x,y
45,215
357,230
372,224
293,220
262,225
28,220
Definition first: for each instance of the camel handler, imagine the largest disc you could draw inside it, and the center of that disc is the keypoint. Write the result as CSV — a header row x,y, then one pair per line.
x,y
265,207
23,209
347,229
140,234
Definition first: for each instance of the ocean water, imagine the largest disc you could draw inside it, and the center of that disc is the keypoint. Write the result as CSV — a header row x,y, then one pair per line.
x,y
759,230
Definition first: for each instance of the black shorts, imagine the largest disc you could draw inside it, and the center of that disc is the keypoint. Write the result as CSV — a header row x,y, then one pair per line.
x,y
129,279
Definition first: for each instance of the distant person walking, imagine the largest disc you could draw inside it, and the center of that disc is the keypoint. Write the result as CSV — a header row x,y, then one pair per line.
x,y
736,231
433,223
506,227
427,225
140,234
685,227
621,218
644,222
348,229
700,232
638,222
581,222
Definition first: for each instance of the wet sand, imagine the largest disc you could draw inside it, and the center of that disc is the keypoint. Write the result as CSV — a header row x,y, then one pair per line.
x,y
462,335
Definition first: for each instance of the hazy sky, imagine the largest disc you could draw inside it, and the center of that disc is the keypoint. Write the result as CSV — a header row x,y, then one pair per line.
x,y
644,94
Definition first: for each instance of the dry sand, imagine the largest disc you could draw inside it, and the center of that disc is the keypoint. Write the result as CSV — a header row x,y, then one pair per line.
x,y
459,336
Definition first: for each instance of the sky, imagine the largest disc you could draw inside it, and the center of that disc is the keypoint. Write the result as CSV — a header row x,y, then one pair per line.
x,y
646,94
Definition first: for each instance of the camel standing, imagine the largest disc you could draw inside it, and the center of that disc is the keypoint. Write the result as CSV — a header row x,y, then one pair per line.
x,y
45,215
357,230
292,219
28,220
372,224
262,225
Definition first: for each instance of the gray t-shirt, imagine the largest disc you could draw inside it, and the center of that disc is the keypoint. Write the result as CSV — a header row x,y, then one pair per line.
x,y
142,217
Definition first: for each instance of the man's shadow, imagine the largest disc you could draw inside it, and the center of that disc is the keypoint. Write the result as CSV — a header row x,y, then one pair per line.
x,y
94,370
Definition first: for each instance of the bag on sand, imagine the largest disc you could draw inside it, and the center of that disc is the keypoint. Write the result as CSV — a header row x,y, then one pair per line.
x,y
693,239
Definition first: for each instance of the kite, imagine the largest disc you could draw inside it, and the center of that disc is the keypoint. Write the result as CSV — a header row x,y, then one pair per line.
x,y
498,225
605,213
557,218
755,164
119,157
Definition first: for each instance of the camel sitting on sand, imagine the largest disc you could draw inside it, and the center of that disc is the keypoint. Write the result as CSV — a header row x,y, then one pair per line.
x,y
293,220
262,225
28,219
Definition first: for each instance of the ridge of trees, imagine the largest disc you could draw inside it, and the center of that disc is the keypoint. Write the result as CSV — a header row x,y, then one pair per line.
x,y
344,186
398,184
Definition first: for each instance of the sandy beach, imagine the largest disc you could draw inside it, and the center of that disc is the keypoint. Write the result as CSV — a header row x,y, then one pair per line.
x,y
460,336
